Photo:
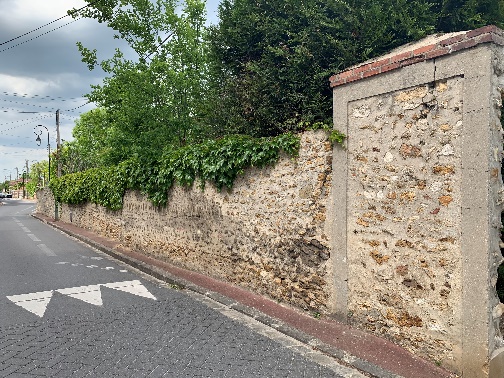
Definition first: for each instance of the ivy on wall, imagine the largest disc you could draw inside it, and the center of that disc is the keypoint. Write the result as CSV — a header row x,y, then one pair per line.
x,y
216,161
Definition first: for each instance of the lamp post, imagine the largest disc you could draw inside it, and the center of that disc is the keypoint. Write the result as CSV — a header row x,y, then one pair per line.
x,y
24,184
39,141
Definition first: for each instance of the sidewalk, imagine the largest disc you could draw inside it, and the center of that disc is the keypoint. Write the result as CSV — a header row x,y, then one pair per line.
x,y
370,354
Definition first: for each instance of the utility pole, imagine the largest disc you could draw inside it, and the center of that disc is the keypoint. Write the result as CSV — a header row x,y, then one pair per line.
x,y
58,143
24,188
58,173
26,181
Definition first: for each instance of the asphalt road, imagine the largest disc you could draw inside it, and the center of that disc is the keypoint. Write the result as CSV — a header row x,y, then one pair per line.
x,y
67,310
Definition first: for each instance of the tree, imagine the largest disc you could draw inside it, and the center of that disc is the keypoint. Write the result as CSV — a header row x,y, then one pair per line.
x,y
38,176
262,70
97,142
4,186
273,57
456,15
156,101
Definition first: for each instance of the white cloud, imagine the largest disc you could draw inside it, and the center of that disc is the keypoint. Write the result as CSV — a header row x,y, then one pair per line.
x,y
37,11
20,84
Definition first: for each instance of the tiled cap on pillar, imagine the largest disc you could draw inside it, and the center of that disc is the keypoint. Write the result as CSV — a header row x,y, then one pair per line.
x,y
429,48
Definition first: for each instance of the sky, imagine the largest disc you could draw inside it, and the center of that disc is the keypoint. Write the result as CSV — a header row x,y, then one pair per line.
x,y
41,71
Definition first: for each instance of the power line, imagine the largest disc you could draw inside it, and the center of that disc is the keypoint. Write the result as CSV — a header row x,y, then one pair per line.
x,y
71,119
30,151
43,26
77,107
31,121
40,97
19,144
48,109
15,136
27,122
38,36
25,104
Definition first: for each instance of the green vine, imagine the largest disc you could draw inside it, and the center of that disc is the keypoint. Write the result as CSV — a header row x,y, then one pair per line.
x,y
335,136
219,162
104,186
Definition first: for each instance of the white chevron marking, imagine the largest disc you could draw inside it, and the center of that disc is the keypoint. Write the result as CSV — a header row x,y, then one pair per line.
x,y
90,294
132,287
37,302
34,302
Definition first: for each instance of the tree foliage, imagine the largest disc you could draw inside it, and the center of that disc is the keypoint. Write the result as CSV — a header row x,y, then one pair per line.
x,y
272,58
38,177
456,15
156,100
262,70
96,143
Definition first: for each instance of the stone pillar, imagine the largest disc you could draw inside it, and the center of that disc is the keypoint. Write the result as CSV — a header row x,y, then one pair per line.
x,y
417,198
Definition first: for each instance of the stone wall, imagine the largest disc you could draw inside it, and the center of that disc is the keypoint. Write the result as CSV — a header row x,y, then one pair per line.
x,y
423,199
397,233
268,233
45,202
404,219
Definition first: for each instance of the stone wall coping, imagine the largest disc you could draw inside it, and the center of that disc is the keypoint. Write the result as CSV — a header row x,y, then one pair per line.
x,y
426,49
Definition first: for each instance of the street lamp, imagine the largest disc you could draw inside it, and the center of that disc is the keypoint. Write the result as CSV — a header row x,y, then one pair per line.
x,y
39,141
24,184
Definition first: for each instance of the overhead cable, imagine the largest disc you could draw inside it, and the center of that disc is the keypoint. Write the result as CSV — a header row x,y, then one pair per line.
x,y
39,96
38,36
26,122
43,26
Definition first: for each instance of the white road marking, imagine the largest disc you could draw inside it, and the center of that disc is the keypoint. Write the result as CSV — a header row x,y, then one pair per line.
x,y
26,229
34,302
46,250
92,266
25,209
33,237
90,294
37,302
132,287
91,258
